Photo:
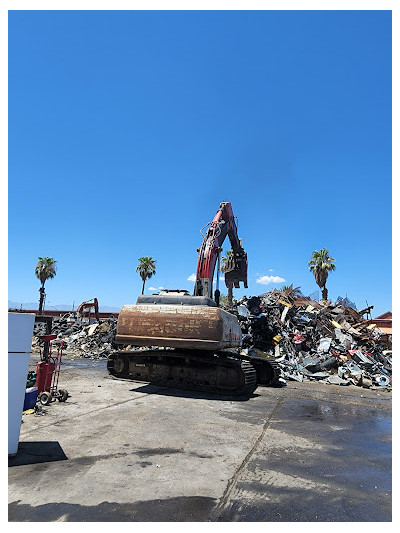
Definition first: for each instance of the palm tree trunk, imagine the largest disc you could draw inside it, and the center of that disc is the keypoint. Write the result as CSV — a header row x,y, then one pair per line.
x,y
41,299
230,296
325,293
144,281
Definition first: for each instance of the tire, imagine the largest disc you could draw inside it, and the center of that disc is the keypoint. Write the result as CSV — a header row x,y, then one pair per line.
x,y
63,395
45,398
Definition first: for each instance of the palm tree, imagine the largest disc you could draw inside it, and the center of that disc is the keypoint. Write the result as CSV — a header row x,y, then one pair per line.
x,y
223,300
146,268
229,284
320,265
292,293
45,269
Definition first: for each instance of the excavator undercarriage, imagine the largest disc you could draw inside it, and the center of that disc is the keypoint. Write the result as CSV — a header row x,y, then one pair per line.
x,y
226,373
186,369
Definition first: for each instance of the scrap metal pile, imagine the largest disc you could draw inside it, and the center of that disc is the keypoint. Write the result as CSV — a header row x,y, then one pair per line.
x,y
81,339
332,343
309,340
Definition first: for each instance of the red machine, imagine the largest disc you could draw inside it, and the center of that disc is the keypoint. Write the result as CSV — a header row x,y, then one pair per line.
x,y
87,307
223,224
48,372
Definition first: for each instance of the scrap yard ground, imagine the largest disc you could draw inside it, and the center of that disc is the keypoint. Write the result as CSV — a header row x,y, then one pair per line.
x,y
128,451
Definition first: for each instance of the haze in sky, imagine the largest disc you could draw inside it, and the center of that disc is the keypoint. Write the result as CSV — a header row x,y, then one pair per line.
x,y
128,128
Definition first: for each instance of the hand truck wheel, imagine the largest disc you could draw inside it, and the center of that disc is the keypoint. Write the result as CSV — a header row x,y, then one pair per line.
x,y
45,398
63,395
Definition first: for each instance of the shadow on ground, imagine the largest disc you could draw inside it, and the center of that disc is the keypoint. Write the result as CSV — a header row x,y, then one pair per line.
x,y
183,509
190,393
30,453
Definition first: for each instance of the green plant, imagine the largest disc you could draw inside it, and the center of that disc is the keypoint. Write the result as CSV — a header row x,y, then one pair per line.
x,y
292,293
146,269
320,265
45,269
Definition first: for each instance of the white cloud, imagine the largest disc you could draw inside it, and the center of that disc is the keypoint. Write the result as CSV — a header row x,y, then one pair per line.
x,y
265,280
151,289
161,288
271,270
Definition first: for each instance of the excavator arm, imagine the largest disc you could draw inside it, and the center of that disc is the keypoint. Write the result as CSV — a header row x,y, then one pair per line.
x,y
222,225
88,306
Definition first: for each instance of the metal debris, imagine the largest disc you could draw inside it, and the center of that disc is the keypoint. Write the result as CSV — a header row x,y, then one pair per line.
x,y
309,340
81,338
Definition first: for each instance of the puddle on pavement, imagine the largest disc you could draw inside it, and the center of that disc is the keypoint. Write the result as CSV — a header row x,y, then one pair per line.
x,y
100,364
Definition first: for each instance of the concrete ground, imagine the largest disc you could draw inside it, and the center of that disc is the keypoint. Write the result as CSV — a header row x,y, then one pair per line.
x,y
128,451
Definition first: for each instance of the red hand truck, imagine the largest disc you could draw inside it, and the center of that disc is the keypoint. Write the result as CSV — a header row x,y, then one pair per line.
x,y
48,371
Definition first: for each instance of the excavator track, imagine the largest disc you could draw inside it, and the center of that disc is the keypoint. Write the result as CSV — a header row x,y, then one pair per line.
x,y
268,372
220,373
276,374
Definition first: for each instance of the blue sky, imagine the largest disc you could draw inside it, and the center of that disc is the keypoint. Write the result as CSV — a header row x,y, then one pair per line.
x,y
128,128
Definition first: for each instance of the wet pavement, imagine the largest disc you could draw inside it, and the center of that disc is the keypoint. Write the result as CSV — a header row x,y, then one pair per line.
x,y
129,451
345,476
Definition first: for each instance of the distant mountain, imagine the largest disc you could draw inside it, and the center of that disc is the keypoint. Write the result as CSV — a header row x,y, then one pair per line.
x,y
19,305
61,307
106,309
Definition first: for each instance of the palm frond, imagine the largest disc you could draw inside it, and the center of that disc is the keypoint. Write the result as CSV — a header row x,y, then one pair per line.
x,y
45,268
146,267
320,264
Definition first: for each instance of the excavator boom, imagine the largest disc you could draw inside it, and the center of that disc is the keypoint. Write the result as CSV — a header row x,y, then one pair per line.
x,y
222,225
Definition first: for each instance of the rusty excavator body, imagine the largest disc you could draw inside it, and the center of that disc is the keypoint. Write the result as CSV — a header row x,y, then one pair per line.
x,y
191,342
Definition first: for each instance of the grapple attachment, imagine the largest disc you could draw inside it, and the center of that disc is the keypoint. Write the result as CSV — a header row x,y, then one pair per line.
x,y
235,269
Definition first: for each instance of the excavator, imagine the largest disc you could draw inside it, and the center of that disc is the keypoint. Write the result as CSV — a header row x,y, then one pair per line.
x,y
87,307
188,341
